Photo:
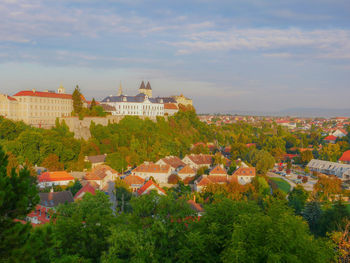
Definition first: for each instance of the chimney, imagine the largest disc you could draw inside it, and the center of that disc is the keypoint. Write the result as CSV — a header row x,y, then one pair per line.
x,y
194,198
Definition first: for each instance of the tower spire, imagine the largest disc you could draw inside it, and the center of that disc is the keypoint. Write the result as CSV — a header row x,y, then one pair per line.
x,y
120,91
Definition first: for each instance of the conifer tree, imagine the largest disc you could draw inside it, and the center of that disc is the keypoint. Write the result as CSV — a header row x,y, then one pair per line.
x,y
77,102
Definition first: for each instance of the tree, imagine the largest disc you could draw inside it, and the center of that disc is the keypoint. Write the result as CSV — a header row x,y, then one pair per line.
x,y
93,103
81,228
297,199
306,156
12,164
74,187
18,197
342,240
327,187
77,101
312,214
52,163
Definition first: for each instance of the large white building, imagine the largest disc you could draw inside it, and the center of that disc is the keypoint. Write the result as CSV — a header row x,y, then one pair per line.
x,y
143,104
340,170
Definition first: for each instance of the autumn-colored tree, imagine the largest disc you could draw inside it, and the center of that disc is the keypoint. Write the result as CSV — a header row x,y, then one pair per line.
x,y
12,164
327,187
306,156
173,179
342,240
52,163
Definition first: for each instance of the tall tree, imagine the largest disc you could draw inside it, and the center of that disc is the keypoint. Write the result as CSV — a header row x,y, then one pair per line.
x,y
18,196
77,101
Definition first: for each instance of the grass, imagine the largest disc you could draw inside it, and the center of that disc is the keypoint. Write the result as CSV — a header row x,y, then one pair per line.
x,y
282,184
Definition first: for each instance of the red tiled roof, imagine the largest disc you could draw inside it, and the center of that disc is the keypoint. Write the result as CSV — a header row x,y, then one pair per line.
x,y
88,188
152,168
188,179
330,138
170,106
201,158
250,171
10,98
147,185
173,161
345,157
195,206
204,181
218,170
99,172
134,180
187,170
43,94
55,176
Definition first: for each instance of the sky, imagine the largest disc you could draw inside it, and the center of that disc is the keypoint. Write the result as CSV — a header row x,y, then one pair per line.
x,y
226,55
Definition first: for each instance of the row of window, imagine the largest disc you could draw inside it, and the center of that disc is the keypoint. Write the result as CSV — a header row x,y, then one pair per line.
x,y
46,100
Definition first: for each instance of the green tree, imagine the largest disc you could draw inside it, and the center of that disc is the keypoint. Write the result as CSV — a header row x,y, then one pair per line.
x,y
312,214
18,197
77,101
297,199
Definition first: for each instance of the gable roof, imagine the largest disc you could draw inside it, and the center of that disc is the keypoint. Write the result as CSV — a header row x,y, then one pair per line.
x,y
88,188
218,170
330,138
244,171
345,157
170,106
55,176
201,159
31,93
173,161
53,199
134,180
100,172
97,158
187,170
152,168
147,185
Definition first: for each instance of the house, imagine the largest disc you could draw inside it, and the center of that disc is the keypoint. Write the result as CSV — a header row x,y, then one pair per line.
x,y
186,172
205,180
345,158
197,161
89,187
196,207
340,133
48,203
174,162
218,171
244,175
150,186
49,179
330,139
101,175
159,172
135,182
329,168
96,160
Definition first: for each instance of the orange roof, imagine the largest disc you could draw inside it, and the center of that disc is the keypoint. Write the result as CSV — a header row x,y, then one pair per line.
x,y
204,181
10,98
55,176
187,170
218,170
31,93
250,171
152,168
134,180
345,157
170,106
147,185
195,206
88,188
99,172
330,138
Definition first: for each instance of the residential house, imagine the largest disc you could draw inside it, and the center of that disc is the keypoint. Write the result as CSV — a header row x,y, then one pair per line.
x,y
170,109
218,170
340,133
205,180
150,186
174,162
134,182
96,160
345,158
47,205
330,139
197,161
159,172
101,175
89,187
49,179
186,172
245,175
329,168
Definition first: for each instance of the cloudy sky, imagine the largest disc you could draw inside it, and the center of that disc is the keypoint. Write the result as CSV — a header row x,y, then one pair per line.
x,y
226,55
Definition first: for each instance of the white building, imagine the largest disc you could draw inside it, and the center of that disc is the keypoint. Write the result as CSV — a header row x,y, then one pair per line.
x,y
330,168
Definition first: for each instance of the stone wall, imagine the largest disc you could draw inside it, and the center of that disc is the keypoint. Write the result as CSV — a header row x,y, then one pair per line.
x,y
81,128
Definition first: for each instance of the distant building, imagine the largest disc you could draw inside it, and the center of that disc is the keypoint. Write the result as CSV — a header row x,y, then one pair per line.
x,y
174,162
197,161
330,139
87,188
134,182
186,172
101,175
96,160
345,158
330,168
183,100
150,186
170,109
245,175
159,172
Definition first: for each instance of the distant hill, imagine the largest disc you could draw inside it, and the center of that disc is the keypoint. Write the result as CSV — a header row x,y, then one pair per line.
x,y
297,112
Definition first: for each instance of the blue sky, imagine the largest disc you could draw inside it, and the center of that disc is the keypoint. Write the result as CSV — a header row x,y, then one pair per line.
x,y
226,55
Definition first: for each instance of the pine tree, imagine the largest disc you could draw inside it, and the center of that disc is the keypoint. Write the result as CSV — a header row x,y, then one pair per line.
x,y
77,101
93,103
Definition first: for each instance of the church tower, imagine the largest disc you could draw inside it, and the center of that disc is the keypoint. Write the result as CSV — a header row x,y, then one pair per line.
x,y
120,91
147,90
